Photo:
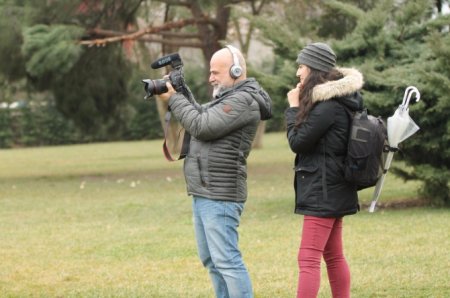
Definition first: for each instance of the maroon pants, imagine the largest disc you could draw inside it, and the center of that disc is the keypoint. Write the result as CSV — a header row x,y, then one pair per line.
x,y
322,237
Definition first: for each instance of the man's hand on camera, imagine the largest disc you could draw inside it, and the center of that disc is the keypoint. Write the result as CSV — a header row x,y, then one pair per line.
x,y
169,93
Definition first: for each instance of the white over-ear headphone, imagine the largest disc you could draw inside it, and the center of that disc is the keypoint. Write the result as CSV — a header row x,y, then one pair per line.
x,y
235,69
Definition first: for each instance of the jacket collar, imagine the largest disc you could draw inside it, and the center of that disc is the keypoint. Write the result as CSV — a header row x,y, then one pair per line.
x,y
248,82
350,83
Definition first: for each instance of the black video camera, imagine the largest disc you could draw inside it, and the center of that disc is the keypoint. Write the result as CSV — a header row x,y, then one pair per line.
x,y
176,78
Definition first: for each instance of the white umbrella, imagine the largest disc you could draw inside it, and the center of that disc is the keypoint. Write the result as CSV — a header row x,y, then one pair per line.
x,y
400,126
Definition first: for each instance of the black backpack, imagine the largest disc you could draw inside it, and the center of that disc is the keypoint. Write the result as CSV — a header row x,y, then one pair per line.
x,y
366,149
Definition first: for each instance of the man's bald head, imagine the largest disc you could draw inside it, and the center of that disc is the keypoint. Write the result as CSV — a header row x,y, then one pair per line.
x,y
225,56
220,65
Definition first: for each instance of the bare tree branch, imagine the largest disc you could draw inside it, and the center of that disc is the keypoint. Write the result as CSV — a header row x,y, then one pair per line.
x,y
173,43
132,12
244,39
174,2
138,34
257,10
178,34
113,33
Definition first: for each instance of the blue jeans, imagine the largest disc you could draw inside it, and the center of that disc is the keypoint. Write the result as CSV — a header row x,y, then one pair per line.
x,y
216,224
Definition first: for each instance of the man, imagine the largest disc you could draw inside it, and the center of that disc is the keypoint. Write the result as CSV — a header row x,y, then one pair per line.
x,y
215,169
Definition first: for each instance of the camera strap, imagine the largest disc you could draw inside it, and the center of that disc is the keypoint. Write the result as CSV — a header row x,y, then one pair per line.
x,y
184,147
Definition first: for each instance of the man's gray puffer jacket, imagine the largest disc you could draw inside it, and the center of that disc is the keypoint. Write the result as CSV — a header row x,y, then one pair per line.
x,y
221,132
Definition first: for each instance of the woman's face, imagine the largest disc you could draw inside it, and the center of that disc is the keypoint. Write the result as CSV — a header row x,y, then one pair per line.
x,y
302,73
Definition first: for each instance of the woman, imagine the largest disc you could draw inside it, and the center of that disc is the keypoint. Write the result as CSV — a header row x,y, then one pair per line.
x,y
317,131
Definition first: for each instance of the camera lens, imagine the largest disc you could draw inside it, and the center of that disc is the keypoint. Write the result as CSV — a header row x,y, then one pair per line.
x,y
155,87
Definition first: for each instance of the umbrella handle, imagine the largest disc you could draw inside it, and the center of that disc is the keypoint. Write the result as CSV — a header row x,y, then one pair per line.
x,y
407,96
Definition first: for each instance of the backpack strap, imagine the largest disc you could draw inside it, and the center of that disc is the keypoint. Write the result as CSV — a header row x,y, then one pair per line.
x,y
350,115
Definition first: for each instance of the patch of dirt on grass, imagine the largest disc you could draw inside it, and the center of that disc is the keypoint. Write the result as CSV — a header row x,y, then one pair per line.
x,y
399,204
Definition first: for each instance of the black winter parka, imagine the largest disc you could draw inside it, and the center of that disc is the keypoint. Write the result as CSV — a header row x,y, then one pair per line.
x,y
320,144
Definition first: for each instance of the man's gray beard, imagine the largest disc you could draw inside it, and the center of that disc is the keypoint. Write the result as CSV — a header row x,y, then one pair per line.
x,y
217,89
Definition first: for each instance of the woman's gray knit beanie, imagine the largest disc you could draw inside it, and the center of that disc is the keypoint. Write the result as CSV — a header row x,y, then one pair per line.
x,y
318,56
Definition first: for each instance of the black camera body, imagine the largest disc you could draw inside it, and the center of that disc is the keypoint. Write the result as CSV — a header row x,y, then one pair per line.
x,y
176,77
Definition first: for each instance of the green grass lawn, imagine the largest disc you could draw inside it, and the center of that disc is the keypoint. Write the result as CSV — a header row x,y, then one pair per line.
x,y
114,220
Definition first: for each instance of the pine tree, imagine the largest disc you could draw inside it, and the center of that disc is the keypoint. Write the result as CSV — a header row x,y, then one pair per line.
x,y
89,84
398,44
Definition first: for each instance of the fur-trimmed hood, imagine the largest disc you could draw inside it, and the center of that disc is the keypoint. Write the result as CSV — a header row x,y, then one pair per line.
x,y
350,83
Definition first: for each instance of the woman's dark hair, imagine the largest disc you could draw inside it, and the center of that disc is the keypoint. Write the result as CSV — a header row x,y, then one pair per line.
x,y
314,78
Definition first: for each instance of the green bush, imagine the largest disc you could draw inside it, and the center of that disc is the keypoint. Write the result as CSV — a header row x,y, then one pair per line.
x,y
45,125
6,134
145,122
39,126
